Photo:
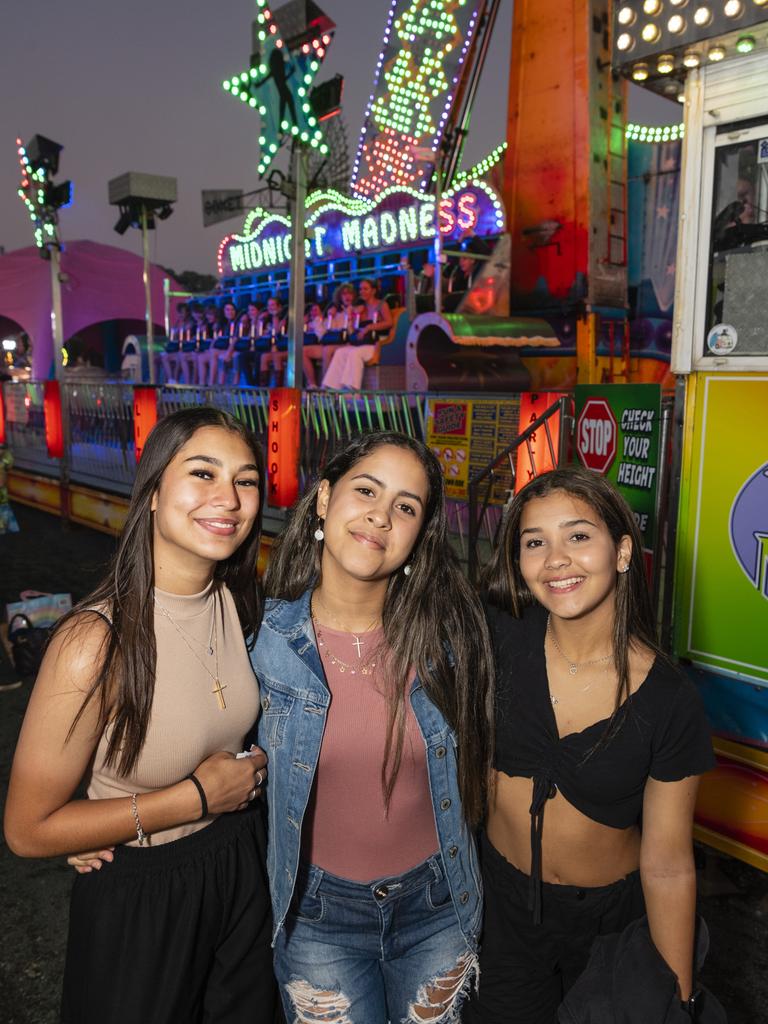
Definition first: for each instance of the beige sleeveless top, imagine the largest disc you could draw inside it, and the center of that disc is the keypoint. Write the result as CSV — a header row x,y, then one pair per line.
x,y
188,722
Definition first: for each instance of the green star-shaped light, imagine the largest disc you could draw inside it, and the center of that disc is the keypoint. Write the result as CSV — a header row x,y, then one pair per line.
x,y
278,84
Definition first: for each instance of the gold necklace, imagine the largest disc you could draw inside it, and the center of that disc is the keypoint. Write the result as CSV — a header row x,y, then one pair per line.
x,y
365,669
209,645
574,666
218,687
358,643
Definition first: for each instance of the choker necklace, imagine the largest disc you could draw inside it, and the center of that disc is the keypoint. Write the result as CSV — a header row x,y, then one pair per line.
x,y
574,666
213,649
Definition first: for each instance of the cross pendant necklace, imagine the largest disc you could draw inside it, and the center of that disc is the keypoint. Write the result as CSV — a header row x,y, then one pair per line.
x,y
358,643
218,690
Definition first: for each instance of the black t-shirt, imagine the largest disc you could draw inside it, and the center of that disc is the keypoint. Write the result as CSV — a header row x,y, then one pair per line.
x,y
664,734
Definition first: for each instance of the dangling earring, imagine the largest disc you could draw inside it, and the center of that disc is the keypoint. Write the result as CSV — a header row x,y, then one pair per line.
x,y
319,533
407,570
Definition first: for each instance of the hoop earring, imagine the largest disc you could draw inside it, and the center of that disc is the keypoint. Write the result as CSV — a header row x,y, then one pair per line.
x,y
319,533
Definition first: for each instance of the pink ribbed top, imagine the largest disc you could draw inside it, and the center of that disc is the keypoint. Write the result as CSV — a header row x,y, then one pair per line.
x,y
347,830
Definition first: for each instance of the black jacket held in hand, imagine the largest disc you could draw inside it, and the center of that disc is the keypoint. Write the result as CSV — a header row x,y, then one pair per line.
x,y
627,980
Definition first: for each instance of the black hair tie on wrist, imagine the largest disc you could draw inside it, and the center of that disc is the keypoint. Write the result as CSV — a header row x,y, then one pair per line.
x,y
199,787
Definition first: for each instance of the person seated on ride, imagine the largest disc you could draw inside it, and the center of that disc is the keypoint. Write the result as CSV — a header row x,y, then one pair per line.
x,y
224,345
340,319
348,363
274,344
314,329
170,358
206,354
600,740
192,337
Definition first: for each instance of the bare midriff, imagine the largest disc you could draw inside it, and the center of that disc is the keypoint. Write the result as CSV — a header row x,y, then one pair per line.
x,y
575,849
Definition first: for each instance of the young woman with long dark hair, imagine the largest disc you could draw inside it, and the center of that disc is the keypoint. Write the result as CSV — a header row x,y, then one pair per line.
x,y
147,691
347,365
376,680
596,732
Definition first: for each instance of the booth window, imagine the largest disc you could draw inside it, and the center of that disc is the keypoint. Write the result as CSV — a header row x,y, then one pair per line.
x,y
737,299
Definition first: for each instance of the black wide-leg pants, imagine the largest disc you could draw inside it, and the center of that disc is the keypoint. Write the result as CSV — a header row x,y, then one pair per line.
x,y
176,934
526,968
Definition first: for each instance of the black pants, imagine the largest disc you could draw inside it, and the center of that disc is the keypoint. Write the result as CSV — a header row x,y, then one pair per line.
x,y
178,934
525,969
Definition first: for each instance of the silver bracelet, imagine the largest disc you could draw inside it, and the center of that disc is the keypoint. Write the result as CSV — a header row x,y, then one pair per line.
x,y
141,835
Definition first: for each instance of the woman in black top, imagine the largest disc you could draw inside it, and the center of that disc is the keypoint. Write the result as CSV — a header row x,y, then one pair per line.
x,y
596,732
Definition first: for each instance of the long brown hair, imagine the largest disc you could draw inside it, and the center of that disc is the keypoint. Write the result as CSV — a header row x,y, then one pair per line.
x,y
633,622
432,619
125,682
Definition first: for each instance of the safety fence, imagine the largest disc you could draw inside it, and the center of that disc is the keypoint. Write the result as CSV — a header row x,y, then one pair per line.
x,y
99,428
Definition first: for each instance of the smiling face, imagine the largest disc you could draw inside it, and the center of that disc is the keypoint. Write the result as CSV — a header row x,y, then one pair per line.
x,y
206,504
230,311
373,515
568,558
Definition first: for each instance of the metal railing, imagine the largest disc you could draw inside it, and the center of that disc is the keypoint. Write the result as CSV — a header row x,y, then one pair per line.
x,y
98,424
487,518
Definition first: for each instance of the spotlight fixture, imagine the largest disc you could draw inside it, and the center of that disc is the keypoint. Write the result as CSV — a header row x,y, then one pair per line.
x,y
652,6
650,33
745,44
626,16
702,16
733,9
640,71
691,59
676,24
716,53
678,3
624,42
665,64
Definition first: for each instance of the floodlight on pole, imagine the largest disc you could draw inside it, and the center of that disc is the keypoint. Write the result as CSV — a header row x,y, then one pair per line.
x,y
141,198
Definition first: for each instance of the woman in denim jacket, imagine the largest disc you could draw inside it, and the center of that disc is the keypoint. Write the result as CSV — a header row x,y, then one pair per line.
x,y
376,680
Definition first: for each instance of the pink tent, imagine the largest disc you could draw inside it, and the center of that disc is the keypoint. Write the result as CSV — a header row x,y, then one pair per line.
x,y
100,282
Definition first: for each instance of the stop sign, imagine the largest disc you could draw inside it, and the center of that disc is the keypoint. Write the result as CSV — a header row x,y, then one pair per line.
x,y
596,434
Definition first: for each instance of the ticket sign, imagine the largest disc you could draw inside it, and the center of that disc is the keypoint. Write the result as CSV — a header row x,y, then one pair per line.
x,y
449,434
618,429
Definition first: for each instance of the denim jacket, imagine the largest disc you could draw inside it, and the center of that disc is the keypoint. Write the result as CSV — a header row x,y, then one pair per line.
x,y
294,701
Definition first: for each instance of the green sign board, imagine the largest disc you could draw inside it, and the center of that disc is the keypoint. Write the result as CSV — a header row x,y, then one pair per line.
x,y
618,427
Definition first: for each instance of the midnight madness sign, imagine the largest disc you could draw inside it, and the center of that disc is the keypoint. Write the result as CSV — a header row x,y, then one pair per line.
x,y
338,226
617,435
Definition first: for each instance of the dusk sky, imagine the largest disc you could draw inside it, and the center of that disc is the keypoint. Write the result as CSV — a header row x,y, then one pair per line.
x,y
137,87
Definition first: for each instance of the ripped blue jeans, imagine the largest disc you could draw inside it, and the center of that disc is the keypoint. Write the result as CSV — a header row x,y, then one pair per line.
x,y
380,952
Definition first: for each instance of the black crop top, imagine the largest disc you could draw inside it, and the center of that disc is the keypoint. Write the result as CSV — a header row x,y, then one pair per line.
x,y
664,735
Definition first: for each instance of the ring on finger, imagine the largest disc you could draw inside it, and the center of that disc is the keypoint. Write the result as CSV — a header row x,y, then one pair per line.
x,y
259,777
252,795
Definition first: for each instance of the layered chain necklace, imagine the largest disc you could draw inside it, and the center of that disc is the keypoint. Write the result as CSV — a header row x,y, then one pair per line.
x,y
212,648
365,668
573,666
